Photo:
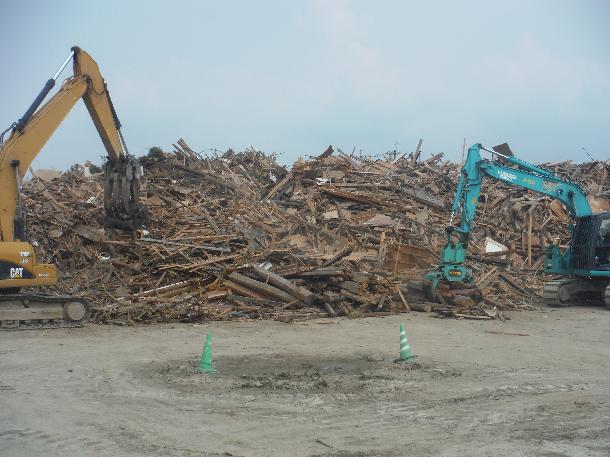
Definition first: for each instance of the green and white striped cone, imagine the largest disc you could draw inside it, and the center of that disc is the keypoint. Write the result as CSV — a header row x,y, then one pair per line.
x,y
405,349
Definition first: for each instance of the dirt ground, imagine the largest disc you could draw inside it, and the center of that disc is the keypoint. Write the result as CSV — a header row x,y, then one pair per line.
x,y
319,388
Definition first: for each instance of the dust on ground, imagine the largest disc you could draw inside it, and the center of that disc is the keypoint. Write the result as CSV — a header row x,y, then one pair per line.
x,y
320,388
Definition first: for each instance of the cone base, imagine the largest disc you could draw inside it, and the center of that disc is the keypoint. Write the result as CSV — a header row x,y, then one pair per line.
x,y
401,360
206,370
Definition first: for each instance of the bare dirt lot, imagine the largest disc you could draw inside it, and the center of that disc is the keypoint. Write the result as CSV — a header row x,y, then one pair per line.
x,y
318,388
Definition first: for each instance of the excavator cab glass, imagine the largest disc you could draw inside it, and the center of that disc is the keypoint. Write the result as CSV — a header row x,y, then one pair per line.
x,y
602,249
590,249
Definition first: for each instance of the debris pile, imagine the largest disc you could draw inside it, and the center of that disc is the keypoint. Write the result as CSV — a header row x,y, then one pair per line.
x,y
236,235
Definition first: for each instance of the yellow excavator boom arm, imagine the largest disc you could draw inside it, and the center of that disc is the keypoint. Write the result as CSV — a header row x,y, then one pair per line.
x,y
20,150
31,133
98,102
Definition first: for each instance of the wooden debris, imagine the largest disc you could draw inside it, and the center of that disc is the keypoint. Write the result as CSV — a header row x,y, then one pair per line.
x,y
235,235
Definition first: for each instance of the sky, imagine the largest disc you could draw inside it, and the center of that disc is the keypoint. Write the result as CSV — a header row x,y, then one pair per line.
x,y
292,77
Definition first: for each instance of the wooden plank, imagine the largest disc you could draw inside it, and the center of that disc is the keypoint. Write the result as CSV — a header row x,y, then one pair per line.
x,y
344,252
498,332
417,153
211,220
510,280
159,290
281,183
235,287
402,299
422,307
487,278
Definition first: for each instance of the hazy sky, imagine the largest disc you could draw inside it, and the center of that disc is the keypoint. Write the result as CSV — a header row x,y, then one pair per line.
x,y
295,76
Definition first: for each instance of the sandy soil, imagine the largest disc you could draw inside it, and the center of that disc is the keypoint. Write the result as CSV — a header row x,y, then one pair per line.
x,y
320,388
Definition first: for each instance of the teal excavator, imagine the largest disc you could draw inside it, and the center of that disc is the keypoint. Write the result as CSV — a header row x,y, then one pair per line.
x,y
583,268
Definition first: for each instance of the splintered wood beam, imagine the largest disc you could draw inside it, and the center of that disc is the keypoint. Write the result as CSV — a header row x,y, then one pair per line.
x,y
261,287
284,284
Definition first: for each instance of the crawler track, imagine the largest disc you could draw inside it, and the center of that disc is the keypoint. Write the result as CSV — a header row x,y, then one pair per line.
x,y
575,291
38,311
550,294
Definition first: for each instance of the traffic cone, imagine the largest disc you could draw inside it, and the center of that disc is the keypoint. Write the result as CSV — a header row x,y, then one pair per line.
x,y
205,365
405,349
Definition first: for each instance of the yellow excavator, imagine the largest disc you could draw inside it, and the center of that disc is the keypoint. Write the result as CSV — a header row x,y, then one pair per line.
x,y
19,267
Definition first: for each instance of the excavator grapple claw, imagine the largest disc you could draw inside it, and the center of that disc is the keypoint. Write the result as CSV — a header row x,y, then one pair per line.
x,y
122,179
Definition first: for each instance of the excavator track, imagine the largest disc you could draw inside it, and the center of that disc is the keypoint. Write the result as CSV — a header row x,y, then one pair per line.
x,y
551,294
575,291
38,311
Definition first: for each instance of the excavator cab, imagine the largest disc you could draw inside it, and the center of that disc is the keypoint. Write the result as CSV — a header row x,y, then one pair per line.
x,y
586,264
590,248
602,248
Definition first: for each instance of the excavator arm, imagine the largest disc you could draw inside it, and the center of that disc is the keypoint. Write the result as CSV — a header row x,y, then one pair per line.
x,y
521,174
33,130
